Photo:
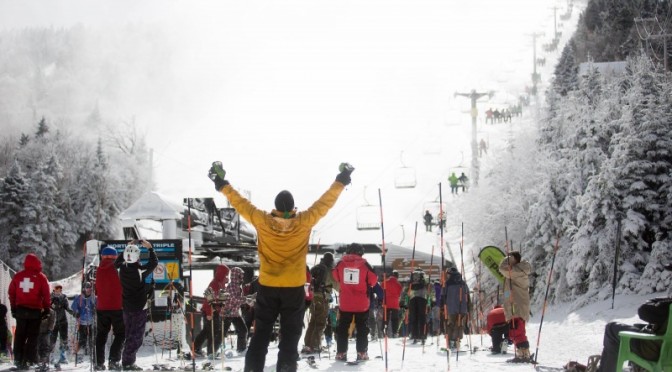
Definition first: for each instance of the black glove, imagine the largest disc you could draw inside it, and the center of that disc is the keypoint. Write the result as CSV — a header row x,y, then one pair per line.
x,y
344,177
77,315
217,174
14,313
45,314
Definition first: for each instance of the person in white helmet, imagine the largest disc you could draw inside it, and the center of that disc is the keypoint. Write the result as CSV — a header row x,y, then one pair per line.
x,y
134,298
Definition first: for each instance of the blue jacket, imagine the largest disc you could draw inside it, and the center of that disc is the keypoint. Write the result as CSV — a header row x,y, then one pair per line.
x,y
84,306
375,296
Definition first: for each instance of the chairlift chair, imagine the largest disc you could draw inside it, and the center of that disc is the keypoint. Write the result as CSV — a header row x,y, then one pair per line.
x,y
405,176
434,207
368,215
459,170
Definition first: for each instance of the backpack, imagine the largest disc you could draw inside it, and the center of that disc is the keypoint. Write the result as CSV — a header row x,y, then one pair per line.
x,y
655,311
318,273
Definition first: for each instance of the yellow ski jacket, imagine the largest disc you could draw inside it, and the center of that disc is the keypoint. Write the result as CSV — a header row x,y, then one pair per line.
x,y
283,242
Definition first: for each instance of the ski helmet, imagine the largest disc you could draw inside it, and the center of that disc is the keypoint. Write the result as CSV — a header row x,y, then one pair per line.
x,y
132,253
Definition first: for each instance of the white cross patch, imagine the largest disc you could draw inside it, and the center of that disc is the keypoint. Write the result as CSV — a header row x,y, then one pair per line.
x,y
26,285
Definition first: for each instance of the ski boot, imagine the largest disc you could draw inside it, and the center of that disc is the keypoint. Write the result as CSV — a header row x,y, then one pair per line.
x,y
362,356
63,359
131,367
43,367
114,366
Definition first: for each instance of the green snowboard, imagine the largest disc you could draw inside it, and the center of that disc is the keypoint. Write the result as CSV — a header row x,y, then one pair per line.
x,y
491,256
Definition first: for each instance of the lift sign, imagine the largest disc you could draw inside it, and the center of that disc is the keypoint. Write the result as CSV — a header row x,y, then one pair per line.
x,y
350,276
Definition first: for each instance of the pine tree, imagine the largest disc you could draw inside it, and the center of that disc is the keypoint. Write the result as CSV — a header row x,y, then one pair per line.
x,y
42,128
13,193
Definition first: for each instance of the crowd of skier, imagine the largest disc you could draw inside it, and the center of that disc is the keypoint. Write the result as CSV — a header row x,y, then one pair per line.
x,y
334,301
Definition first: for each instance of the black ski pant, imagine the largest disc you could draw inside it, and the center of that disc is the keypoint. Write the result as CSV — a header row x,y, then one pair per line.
x,y
499,334
241,331
26,335
288,303
60,329
84,337
393,320
417,317
211,333
43,347
611,345
361,327
106,320
3,336
376,323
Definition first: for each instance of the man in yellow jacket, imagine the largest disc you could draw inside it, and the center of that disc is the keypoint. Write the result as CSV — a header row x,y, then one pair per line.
x,y
283,236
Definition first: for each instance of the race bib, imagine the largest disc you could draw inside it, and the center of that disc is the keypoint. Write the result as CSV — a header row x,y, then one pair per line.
x,y
350,276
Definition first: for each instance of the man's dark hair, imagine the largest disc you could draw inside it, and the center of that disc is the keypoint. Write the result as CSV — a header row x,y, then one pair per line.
x,y
516,256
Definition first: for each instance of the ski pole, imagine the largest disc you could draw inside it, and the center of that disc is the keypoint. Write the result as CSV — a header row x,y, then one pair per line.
x,y
548,285
513,308
384,252
191,289
443,287
408,294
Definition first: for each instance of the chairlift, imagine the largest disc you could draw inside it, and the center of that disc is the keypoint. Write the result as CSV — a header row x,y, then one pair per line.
x,y
435,208
405,176
460,171
368,216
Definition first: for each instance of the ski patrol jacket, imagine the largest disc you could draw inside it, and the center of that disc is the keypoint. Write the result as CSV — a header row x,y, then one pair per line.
x,y
235,296
354,275
392,293
216,284
516,302
495,317
30,288
456,294
108,286
132,277
283,242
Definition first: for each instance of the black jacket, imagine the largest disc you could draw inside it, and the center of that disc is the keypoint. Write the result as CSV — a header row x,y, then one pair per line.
x,y
132,276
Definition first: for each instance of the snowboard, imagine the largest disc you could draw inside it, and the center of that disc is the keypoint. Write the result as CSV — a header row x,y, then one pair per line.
x,y
491,256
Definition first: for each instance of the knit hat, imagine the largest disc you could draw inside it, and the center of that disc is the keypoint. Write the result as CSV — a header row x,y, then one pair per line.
x,y
328,259
284,201
108,251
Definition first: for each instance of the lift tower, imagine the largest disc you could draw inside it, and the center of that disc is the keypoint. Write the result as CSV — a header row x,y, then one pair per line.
x,y
474,96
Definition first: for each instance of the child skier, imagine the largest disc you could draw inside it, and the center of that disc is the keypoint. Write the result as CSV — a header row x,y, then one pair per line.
x,y
234,299
44,345
134,298
82,307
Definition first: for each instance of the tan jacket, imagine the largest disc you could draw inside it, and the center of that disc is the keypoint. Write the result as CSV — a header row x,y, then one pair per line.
x,y
283,242
516,302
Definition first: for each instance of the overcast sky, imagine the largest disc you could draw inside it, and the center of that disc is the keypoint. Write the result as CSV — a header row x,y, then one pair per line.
x,y
283,91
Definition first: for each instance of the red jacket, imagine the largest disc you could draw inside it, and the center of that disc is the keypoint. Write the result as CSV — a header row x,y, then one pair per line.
x,y
355,276
392,293
30,288
496,316
217,283
108,286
